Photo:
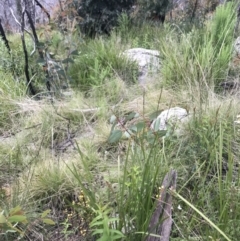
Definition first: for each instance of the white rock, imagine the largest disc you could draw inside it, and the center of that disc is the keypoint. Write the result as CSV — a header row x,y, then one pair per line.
x,y
237,46
169,116
148,61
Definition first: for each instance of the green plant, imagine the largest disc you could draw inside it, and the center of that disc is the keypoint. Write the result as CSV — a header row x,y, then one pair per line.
x,y
201,57
153,10
42,68
124,25
101,17
11,221
207,171
99,61
138,130
102,225
66,155
66,225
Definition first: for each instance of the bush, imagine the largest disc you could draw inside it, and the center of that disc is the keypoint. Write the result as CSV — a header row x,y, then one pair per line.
x,y
153,10
99,17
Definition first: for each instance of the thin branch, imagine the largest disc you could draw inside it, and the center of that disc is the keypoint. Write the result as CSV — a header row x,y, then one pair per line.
x,y
29,83
4,38
34,46
44,9
36,41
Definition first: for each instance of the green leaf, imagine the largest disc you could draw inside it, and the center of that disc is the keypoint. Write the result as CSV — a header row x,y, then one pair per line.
x,y
115,136
97,231
116,234
48,221
150,137
156,124
45,213
154,115
162,133
132,115
140,125
16,211
17,218
61,72
97,223
133,128
112,219
2,218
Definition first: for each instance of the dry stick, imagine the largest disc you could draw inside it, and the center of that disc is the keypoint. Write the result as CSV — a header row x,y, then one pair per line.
x,y
44,9
4,38
34,47
34,34
163,210
40,50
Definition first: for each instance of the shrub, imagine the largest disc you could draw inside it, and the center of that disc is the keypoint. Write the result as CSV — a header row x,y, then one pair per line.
x,y
99,17
153,10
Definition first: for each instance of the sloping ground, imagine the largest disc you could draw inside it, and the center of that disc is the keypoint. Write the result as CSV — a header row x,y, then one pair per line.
x,y
47,139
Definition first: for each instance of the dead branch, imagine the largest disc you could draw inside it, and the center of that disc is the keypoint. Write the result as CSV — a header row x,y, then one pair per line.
x,y
161,220
43,9
40,52
26,69
4,38
26,30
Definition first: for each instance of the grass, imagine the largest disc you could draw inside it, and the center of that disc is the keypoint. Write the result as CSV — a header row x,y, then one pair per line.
x,y
99,61
55,154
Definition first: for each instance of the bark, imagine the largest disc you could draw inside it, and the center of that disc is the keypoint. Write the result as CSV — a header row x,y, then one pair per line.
x,y
161,220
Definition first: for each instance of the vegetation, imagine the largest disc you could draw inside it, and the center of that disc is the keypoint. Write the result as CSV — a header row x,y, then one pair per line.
x,y
80,161
100,17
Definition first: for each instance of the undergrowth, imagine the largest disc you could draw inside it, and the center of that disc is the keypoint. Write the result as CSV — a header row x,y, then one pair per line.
x,y
87,165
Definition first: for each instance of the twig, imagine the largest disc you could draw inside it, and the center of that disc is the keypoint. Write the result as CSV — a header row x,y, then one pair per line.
x,y
4,38
35,37
44,9
26,30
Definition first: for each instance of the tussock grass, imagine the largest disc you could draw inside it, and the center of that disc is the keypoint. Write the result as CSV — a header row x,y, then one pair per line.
x,y
99,61
200,57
